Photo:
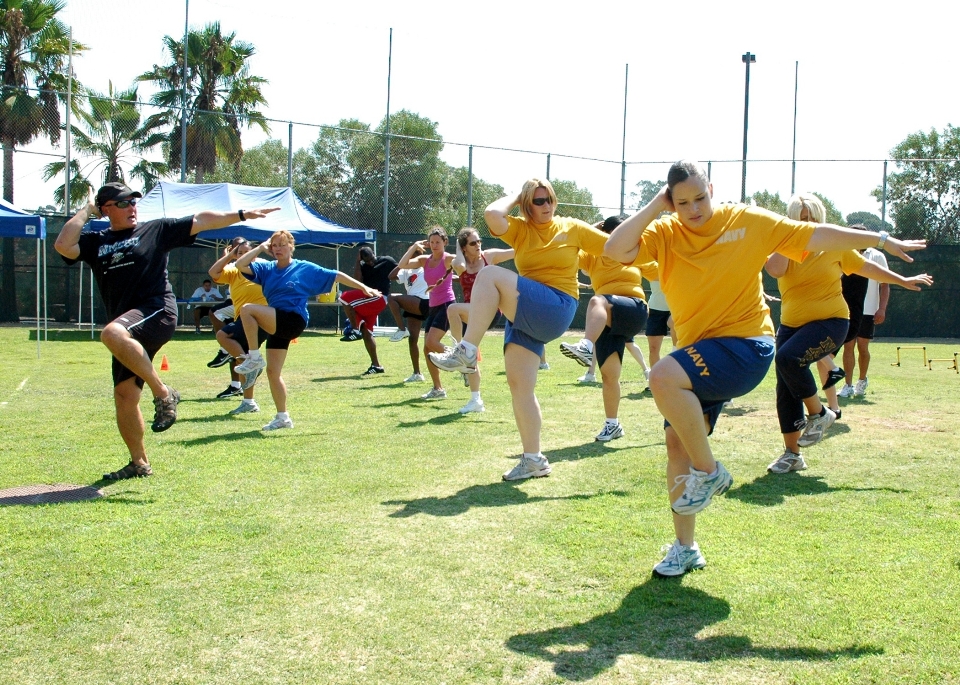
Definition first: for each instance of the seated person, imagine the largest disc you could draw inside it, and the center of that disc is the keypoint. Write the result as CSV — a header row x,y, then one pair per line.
x,y
202,295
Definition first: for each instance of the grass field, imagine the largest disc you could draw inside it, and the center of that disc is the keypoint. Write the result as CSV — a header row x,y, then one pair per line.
x,y
376,543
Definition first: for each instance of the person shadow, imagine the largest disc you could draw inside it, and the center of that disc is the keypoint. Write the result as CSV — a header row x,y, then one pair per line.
x,y
772,489
503,494
659,619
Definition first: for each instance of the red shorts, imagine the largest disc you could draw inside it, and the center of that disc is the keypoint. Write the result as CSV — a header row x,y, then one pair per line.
x,y
367,308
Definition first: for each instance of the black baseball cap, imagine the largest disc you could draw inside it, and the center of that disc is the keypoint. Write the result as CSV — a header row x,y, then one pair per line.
x,y
115,191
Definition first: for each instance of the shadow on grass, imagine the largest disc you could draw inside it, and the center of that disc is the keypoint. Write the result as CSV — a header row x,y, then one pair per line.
x,y
503,494
327,379
773,489
227,437
591,449
65,336
641,395
660,620
739,411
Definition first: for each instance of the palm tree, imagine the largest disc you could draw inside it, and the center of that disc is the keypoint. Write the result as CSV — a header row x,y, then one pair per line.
x,y
113,144
34,48
221,95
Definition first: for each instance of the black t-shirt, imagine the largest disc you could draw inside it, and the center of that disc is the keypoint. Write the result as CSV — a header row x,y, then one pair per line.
x,y
131,265
377,275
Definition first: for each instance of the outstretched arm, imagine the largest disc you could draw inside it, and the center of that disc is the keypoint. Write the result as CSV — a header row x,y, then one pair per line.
x,y
623,244
354,283
882,275
210,220
830,237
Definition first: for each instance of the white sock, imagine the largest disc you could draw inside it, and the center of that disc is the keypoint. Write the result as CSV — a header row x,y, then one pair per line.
x,y
248,401
587,345
475,396
470,348
253,354
223,351
234,384
538,456
282,415
613,422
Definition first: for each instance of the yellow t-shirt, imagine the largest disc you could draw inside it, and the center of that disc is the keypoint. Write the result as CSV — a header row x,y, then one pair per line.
x,y
711,275
552,263
810,290
242,289
610,277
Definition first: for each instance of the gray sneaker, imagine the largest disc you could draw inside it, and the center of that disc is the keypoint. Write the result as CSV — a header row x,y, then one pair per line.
x,y
846,391
455,359
245,408
529,467
610,432
699,489
679,560
250,379
579,353
787,462
815,428
434,394
251,364
860,389
277,424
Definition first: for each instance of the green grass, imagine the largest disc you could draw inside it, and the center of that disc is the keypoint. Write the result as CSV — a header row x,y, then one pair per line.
x,y
376,543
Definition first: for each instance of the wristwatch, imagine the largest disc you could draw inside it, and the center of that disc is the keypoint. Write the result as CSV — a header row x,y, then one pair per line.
x,y
883,239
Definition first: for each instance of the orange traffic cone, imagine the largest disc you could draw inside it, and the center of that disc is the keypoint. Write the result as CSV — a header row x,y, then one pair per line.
x,y
295,341
164,364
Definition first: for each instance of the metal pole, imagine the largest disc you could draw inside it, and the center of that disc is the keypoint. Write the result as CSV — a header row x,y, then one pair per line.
x,y
386,135
38,299
548,166
80,299
709,171
883,204
183,96
46,291
91,303
470,187
66,168
290,155
793,173
623,151
748,59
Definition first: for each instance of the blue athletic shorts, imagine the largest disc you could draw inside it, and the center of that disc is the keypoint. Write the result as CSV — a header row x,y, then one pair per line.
x,y
543,314
628,316
657,322
723,368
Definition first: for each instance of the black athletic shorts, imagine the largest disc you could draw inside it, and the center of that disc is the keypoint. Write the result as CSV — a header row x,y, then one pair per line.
x,y
628,317
424,311
234,331
437,318
289,326
657,322
856,317
867,327
151,328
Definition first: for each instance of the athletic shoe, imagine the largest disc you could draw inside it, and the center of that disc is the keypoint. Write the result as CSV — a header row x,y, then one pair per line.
x,y
529,467
399,335
815,428
434,394
544,366
646,374
277,424
251,364
860,389
131,470
245,408
578,353
587,378
679,560
838,413
787,462
699,489
466,381
218,361
231,391
249,379
165,410
373,370
846,391
610,432
455,359
473,405
352,335
415,378
833,378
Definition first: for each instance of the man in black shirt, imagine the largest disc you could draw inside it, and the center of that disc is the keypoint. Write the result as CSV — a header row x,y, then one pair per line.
x,y
129,262
373,272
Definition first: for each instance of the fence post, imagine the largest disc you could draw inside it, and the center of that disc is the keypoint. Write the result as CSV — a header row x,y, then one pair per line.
x,y
386,135
709,170
290,155
548,166
883,203
183,98
470,187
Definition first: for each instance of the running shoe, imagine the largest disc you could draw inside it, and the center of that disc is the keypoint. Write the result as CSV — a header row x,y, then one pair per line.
x,y
860,389
544,366
610,432
373,370
249,379
352,335
466,380
277,424
399,335
455,359
473,405
231,391
578,353
218,361
787,462
816,427
529,467
246,408
434,394
587,378
251,364
679,560
834,377
415,378
846,391
165,410
699,489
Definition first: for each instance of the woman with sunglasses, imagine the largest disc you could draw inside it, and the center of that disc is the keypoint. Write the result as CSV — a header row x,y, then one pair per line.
x,y
470,259
710,261
539,303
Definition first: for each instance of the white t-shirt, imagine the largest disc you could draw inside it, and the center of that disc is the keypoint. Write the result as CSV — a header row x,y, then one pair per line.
x,y
202,295
871,302
414,282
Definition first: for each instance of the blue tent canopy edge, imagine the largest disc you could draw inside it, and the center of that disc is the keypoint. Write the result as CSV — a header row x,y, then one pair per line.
x,y
15,223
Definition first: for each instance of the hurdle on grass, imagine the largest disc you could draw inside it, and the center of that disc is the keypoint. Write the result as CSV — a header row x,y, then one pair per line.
x,y
952,365
911,347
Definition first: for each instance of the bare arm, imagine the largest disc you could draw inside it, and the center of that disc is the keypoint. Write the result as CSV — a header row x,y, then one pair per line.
x,y
210,220
413,257
881,314
68,242
623,244
459,262
216,271
243,264
354,283
776,265
830,237
496,213
880,274
497,255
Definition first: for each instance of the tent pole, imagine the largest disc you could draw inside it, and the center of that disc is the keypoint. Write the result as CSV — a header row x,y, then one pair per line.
x,y
91,303
80,300
46,299
38,299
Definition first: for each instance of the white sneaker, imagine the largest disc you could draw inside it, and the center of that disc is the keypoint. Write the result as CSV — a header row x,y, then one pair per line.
x,y
679,560
578,353
544,366
787,462
587,378
529,467
815,428
473,405
610,432
455,359
699,489
399,335
251,364
277,424
846,391
415,378
434,394
246,408
860,389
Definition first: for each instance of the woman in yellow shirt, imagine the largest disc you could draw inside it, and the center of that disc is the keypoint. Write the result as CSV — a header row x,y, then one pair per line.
x,y
710,261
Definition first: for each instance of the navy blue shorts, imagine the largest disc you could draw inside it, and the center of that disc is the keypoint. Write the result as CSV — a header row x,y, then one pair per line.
x,y
437,318
657,322
723,368
234,331
628,316
543,314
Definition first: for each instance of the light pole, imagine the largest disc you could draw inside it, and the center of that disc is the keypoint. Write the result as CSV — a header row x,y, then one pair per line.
x,y
748,59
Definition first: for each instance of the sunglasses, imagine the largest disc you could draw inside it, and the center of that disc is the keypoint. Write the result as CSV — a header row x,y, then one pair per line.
x,y
473,242
123,204
541,201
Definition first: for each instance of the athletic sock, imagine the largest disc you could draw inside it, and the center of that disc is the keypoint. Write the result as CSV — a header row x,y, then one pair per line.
x,y
538,456
587,344
613,422
469,347
234,384
475,395
254,354
282,415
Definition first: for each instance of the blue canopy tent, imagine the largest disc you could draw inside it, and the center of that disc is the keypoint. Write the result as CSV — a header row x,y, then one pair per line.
x,y
15,223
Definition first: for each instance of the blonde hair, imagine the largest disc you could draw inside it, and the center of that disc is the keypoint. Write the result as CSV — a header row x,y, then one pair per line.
x,y
287,236
526,195
815,208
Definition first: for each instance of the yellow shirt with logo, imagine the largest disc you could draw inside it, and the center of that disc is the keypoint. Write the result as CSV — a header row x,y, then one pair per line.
x,y
550,253
610,277
711,274
810,290
242,289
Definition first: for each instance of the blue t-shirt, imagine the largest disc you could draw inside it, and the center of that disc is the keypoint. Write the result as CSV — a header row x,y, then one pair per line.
x,y
288,289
